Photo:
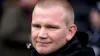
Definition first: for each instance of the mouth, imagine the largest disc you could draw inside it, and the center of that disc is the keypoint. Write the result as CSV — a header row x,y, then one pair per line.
x,y
44,42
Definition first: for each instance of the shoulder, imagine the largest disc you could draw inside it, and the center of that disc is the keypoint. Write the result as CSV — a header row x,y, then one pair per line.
x,y
86,51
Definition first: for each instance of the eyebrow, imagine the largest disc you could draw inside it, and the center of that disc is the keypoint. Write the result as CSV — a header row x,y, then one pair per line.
x,y
45,25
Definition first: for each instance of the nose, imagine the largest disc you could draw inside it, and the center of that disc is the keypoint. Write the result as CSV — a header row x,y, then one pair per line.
x,y
42,33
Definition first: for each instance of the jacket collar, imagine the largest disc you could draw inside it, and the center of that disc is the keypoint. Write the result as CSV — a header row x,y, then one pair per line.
x,y
70,47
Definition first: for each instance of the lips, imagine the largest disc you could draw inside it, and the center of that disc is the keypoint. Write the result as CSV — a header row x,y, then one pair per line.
x,y
43,42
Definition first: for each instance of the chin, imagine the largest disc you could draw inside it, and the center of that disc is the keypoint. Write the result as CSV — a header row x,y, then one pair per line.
x,y
44,50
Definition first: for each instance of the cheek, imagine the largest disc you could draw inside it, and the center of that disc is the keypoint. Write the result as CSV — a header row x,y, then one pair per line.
x,y
34,34
58,36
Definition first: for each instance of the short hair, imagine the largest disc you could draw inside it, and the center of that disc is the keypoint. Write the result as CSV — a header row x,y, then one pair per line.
x,y
62,3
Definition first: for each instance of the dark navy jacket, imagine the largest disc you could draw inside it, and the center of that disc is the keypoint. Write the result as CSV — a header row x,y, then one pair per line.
x,y
76,47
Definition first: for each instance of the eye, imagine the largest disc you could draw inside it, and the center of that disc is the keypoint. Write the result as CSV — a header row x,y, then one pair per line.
x,y
52,27
36,26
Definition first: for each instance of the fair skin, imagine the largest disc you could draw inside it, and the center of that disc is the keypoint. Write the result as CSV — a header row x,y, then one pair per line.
x,y
49,31
95,19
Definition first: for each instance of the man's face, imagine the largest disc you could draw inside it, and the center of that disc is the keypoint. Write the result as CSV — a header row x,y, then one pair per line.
x,y
95,19
48,31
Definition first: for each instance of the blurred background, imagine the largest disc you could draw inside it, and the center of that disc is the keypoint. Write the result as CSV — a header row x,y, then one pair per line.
x,y
15,24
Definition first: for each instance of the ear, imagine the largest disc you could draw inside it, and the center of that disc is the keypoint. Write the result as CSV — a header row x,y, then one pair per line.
x,y
71,32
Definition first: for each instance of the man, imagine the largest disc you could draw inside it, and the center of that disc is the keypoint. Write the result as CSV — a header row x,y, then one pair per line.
x,y
94,30
15,27
53,29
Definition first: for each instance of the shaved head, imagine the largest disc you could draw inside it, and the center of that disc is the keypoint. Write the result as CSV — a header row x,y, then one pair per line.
x,y
65,5
52,25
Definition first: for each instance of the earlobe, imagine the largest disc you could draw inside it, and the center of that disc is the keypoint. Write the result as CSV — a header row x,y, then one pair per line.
x,y
71,31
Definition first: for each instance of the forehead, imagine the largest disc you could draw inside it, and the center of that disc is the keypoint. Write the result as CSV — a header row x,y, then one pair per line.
x,y
54,13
